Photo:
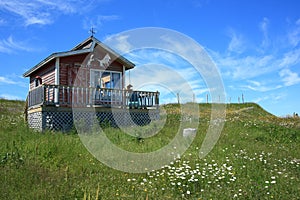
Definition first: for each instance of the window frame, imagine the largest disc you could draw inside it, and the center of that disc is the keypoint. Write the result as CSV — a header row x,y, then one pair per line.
x,y
92,77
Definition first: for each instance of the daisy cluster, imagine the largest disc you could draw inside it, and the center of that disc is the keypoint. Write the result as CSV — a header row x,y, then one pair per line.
x,y
241,174
274,170
185,178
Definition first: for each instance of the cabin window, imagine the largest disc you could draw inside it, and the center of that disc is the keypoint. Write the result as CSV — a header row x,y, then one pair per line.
x,y
37,81
105,79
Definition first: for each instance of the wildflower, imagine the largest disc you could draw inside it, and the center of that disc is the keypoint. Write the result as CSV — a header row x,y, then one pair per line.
x,y
188,192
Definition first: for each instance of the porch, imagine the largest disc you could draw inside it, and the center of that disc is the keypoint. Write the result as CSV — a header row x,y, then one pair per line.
x,y
72,96
58,107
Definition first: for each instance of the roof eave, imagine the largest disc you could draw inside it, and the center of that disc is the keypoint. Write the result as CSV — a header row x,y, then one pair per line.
x,y
52,56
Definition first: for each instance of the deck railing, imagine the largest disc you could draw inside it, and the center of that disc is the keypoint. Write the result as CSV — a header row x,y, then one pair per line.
x,y
82,97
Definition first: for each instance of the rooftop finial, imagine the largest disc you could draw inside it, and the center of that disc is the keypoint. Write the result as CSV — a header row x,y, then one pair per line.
x,y
92,31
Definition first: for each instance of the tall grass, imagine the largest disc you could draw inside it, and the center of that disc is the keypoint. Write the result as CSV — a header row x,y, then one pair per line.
x,y
256,157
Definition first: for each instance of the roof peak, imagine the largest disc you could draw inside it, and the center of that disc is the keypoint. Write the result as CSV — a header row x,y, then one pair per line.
x,y
86,43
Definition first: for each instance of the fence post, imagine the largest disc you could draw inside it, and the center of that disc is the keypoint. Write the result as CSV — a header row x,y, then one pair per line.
x,y
157,100
206,98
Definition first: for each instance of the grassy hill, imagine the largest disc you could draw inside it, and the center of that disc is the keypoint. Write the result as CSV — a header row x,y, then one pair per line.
x,y
256,157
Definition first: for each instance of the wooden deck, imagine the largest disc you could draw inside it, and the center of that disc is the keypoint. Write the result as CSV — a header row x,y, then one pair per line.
x,y
71,96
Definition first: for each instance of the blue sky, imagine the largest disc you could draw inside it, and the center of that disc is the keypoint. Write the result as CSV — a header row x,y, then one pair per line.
x,y
255,44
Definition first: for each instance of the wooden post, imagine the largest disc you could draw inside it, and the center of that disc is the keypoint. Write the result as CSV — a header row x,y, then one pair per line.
x,y
178,98
44,94
206,98
243,98
157,99
56,81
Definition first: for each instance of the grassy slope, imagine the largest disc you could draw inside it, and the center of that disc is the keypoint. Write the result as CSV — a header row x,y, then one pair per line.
x,y
256,157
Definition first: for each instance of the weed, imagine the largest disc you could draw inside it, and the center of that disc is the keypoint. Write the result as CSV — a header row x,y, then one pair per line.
x,y
256,157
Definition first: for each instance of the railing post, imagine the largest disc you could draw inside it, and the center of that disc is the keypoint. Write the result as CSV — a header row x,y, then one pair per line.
x,y
63,95
157,99
68,95
82,96
86,96
43,94
56,94
73,96
125,93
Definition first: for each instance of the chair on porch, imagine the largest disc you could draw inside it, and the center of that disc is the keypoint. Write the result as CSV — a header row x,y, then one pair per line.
x,y
134,100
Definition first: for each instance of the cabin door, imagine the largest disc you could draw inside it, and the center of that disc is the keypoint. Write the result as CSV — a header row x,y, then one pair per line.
x,y
77,77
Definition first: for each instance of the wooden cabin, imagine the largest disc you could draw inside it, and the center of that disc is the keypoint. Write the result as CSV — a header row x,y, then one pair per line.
x,y
89,77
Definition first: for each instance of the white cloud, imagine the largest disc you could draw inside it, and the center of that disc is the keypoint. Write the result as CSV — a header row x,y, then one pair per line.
x,y
266,61
9,45
260,99
290,58
271,98
241,67
120,43
264,25
169,81
237,43
98,21
260,87
294,35
10,97
9,81
289,78
6,80
245,67
42,11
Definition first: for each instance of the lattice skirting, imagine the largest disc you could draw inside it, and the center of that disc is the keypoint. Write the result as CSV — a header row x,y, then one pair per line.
x,y
66,120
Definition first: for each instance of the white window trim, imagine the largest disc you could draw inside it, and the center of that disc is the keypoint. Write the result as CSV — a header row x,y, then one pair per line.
x,y
101,71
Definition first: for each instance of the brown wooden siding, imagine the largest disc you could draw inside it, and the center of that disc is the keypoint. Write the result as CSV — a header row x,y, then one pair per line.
x,y
63,74
47,73
73,70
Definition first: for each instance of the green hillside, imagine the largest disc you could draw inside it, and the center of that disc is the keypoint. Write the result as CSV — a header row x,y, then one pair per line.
x,y
256,157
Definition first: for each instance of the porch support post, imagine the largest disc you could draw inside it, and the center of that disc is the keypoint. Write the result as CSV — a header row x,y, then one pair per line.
x,y
123,78
56,81
123,88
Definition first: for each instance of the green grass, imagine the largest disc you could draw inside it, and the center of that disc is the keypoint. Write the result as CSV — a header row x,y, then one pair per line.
x,y
256,157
